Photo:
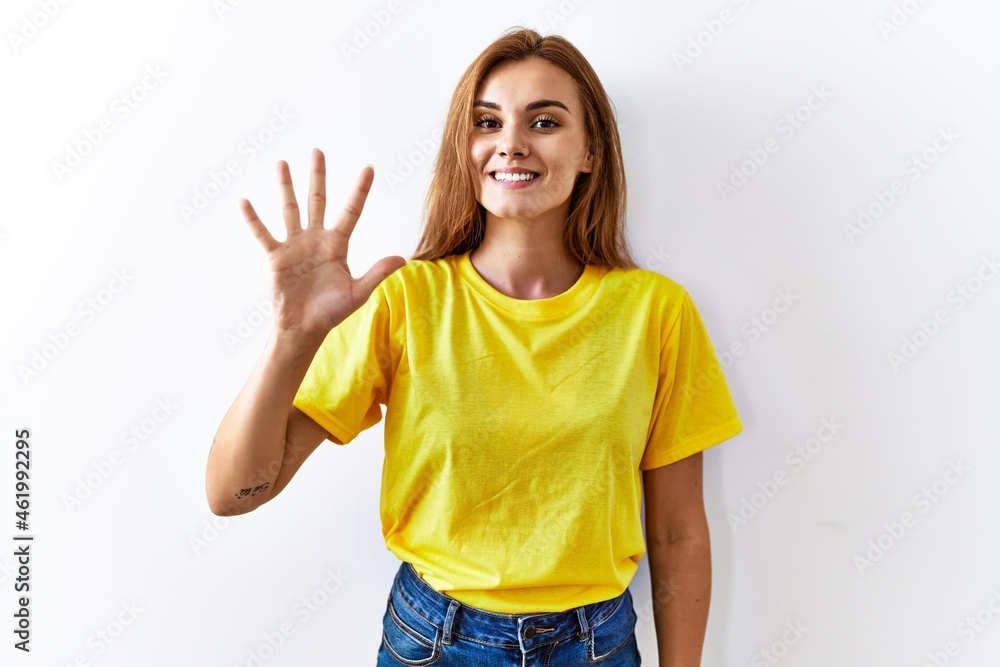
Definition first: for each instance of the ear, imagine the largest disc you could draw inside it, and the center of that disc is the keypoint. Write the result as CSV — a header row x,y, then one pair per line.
x,y
588,163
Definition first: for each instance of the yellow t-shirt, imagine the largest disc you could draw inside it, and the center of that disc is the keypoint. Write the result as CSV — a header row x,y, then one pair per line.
x,y
516,430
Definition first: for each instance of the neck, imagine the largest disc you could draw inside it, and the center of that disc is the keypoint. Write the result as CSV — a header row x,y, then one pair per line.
x,y
526,259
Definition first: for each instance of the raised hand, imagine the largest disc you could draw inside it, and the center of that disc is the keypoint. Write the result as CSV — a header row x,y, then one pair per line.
x,y
313,287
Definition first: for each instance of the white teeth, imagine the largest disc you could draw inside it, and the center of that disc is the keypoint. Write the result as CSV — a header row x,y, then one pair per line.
x,y
510,177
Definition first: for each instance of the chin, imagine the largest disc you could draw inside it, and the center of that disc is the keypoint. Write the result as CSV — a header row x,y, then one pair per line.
x,y
506,209
506,213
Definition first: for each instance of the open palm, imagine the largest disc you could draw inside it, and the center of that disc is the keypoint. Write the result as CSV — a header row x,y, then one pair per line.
x,y
313,287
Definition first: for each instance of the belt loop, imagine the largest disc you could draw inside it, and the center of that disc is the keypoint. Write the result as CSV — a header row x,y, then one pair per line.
x,y
584,628
448,619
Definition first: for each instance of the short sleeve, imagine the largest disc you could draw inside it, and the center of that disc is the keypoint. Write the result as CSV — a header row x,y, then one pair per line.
x,y
693,409
351,375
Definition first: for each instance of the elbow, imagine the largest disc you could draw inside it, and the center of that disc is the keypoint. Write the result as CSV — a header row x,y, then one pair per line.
x,y
226,499
236,504
224,505
229,507
220,508
219,505
692,537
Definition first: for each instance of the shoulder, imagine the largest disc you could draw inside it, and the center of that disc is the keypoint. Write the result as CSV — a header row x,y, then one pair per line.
x,y
420,276
644,285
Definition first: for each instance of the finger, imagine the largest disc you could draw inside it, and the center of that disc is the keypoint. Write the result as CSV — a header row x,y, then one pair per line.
x,y
289,207
317,189
355,203
381,270
257,227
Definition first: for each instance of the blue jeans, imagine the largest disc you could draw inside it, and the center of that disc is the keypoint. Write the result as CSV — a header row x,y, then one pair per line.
x,y
424,627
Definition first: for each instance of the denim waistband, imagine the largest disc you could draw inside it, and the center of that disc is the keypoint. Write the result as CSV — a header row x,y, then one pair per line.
x,y
526,630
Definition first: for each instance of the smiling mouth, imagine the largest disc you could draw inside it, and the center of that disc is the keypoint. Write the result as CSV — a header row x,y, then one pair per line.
x,y
508,177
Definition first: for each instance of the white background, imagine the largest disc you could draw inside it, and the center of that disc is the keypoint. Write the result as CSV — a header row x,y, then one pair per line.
x,y
122,522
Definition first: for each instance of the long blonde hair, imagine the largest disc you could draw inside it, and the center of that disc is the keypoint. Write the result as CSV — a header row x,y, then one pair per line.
x,y
454,222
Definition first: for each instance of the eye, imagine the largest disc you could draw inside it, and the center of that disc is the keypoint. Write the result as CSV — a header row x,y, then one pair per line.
x,y
552,122
486,119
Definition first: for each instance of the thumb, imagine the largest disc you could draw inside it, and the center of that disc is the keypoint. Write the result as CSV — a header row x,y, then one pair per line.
x,y
379,272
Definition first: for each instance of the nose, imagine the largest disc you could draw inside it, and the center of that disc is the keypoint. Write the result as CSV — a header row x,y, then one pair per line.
x,y
511,146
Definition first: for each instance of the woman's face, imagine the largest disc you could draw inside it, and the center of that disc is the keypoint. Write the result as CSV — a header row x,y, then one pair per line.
x,y
527,118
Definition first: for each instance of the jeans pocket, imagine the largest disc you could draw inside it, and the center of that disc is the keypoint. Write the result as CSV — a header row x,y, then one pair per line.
x,y
614,631
407,644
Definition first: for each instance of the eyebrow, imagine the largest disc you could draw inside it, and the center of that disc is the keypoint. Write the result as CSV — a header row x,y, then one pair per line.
x,y
539,104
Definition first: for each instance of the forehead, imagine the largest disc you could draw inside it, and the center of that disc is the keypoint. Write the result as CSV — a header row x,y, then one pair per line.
x,y
515,84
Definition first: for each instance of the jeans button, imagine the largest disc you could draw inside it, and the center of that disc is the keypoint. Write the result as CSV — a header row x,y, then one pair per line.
x,y
530,632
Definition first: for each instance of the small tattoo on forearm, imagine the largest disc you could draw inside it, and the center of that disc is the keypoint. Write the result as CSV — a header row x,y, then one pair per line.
x,y
249,492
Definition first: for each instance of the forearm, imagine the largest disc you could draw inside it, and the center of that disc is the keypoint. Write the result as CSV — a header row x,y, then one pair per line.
x,y
250,443
681,578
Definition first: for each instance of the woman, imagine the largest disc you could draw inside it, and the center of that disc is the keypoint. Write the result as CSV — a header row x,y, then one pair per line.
x,y
530,372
